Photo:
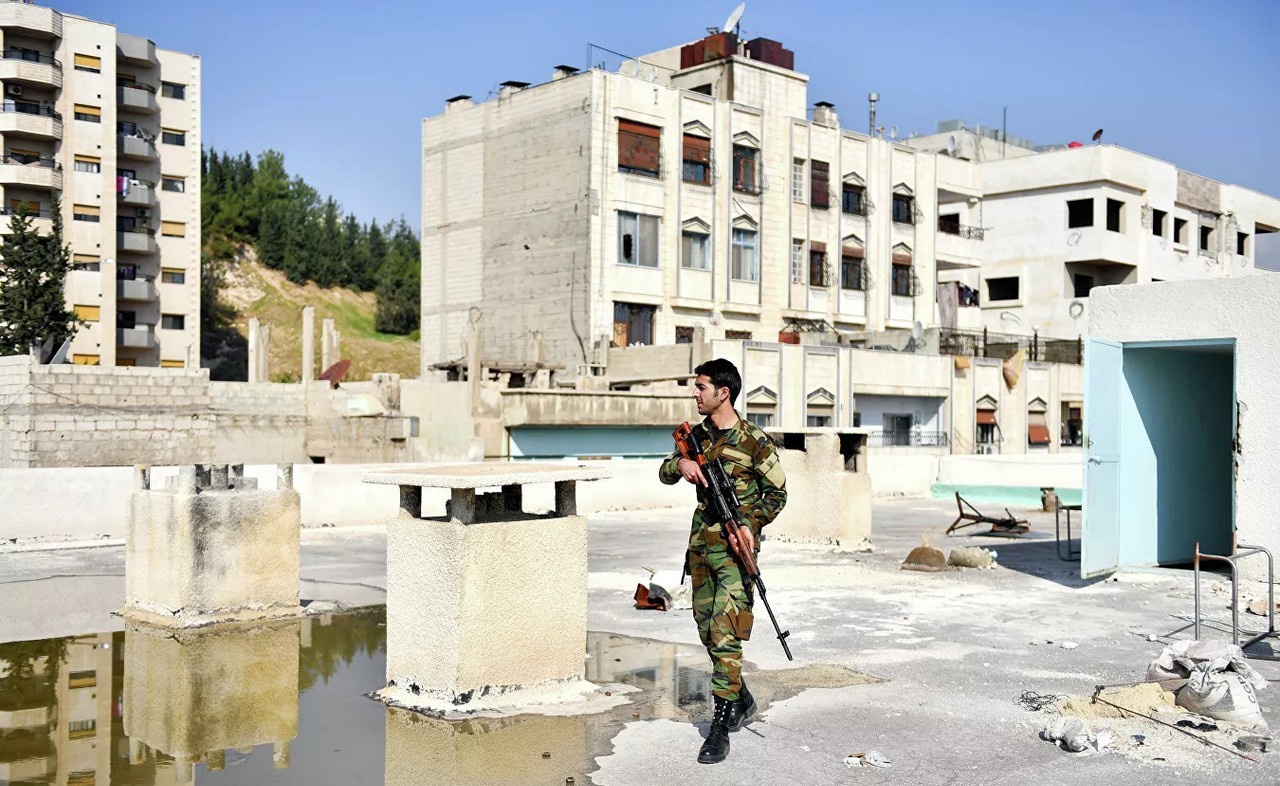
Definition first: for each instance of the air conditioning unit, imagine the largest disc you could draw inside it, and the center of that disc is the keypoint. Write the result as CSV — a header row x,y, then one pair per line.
x,y
13,90
144,212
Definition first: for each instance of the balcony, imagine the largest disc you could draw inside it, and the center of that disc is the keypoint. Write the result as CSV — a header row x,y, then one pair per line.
x,y
32,20
29,118
141,193
141,240
31,172
136,50
41,220
1002,346
137,148
914,438
137,97
140,337
25,67
139,289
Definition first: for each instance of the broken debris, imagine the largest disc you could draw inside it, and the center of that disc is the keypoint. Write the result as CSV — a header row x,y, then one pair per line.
x,y
868,759
972,557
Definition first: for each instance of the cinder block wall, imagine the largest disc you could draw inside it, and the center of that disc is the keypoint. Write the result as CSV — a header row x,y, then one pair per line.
x,y
15,411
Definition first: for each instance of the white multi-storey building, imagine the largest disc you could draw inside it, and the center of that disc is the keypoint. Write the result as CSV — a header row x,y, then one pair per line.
x,y
111,125
697,188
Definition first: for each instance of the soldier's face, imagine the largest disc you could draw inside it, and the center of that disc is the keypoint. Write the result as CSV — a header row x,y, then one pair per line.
x,y
707,395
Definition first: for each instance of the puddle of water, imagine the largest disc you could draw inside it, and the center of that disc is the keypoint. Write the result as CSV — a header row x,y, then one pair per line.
x,y
284,703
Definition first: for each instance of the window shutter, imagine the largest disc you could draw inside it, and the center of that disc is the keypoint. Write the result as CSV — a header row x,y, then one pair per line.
x,y
638,146
88,61
697,149
173,228
85,109
819,193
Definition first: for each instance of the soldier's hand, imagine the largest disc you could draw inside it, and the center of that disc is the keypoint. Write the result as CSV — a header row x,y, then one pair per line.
x,y
744,538
690,471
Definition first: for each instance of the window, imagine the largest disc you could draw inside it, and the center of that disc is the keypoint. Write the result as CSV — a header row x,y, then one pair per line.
x,y
173,90
760,419
797,180
28,206
903,209
1206,238
89,114
1079,213
949,223
819,184
987,427
903,281
853,270
87,313
87,678
704,89
1081,285
173,364
89,262
88,164
1242,244
684,334
737,335
697,160
746,175
1037,427
86,213
1180,231
817,421
638,239
744,263
88,63
126,272
80,729
173,275
175,184
632,324
173,137
173,321
126,361
639,148
694,251
897,429
1072,424
797,261
853,199
1158,218
23,156
126,128
85,360
1002,288
173,228
127,320
818,273
1115,209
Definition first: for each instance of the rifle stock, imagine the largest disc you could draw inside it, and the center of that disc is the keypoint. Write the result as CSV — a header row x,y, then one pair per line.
x,y
724,503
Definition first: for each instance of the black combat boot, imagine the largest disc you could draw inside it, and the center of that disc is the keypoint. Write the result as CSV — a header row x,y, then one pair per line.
x,y
740,711
716,748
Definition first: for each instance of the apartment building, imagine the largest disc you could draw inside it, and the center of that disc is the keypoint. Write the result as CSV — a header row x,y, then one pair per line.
x,y
697,189
110,124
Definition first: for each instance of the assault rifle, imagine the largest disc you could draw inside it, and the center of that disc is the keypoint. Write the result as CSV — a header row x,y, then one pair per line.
x,y
723,504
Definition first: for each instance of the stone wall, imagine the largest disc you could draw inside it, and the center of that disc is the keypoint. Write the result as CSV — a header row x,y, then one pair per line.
x,y
261,422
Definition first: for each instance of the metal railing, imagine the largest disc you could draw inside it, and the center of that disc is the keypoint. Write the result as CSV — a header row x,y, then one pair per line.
x,y
985,344
13,211
135,85
143,230
41,161
961,230
30,108
914,439
30,57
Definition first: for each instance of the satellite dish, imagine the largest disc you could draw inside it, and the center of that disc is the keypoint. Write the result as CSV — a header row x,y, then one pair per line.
x,y
734,18
336,372
917,332
1097,135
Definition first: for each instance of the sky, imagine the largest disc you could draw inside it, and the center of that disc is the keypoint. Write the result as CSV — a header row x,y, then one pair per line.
x,y
341,87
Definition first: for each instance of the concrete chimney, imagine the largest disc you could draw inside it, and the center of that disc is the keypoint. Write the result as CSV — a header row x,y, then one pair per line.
x,y
562,72
457,102
506,89
824,114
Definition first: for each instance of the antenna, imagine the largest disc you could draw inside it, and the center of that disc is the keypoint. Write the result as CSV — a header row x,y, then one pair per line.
x,y
734,18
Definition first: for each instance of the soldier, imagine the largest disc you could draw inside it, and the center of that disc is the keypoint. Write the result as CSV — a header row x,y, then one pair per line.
x,y
722,594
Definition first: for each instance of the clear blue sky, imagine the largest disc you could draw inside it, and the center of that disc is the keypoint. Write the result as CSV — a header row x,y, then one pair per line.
x,y
1193,82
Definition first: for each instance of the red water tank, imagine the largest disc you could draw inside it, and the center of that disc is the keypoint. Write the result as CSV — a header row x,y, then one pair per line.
x,y
1074,145
788,337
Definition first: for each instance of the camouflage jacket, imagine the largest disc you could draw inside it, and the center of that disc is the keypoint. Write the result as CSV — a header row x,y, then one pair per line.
x,y
751,462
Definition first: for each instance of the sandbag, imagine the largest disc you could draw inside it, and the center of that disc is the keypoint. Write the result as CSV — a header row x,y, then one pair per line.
x,y
1223,687
1179,659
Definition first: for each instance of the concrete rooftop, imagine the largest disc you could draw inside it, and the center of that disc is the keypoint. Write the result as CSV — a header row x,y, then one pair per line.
x,y
954,649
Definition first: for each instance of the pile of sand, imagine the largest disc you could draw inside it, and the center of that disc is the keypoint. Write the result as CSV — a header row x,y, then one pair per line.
x,y
1146,698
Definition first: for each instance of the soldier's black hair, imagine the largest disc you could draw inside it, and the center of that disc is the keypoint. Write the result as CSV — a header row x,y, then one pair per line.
x,y
723,374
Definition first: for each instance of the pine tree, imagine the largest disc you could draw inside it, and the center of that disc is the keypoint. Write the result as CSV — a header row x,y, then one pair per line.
x,y
33,272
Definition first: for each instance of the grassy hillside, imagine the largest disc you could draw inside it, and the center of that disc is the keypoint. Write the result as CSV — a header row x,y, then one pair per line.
x,y
253,290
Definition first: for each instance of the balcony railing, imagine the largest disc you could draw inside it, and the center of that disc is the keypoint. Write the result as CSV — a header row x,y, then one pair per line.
x,y
960,230
13,211
30,57
30,108
914,439
47,162
985,344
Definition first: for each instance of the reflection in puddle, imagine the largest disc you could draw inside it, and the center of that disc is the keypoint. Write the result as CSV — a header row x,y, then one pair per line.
x,y
284,703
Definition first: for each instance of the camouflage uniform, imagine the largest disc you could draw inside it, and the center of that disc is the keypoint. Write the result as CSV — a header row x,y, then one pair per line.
x,y
722,594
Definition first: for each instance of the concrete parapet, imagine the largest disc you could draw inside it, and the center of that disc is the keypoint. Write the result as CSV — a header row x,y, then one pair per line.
x,y
211,547
469,624
828,487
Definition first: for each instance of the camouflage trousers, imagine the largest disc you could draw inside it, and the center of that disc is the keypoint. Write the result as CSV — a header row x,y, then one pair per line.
x,y
722,600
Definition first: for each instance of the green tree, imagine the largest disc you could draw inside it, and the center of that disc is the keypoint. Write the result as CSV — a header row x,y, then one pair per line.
x,y
33,273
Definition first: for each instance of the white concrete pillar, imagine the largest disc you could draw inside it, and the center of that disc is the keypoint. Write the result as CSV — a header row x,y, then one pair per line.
x,y
327,356
254,348
308,344
459,596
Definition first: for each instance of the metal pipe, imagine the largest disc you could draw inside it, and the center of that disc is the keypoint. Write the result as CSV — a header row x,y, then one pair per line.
x,y
1196,569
